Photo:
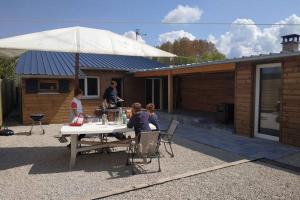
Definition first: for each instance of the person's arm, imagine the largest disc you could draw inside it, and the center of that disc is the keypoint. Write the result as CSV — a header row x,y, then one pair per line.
x,y
153,119
130,122
119,99
106,94
74,108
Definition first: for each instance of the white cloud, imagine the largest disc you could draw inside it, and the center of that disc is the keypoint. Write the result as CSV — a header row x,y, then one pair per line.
x,y
174,35
252,40
183,14
131,35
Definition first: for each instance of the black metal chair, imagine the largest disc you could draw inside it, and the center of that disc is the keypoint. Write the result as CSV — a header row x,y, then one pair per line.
x,y
166,136
146,148
36,119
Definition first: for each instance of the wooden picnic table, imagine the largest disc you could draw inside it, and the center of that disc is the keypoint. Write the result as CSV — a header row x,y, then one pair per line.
x,y
91,129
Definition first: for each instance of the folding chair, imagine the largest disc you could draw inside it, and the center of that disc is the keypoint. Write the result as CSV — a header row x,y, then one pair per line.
x,y
166,137
146,148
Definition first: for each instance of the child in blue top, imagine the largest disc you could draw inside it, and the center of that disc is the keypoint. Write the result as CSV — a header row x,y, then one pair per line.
x,y
153,118
139,119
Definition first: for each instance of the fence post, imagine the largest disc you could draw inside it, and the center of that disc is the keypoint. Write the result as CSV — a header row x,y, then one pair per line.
x,y
1,106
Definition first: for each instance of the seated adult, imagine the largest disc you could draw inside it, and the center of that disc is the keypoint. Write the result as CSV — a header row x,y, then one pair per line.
x,y
153,118
139,120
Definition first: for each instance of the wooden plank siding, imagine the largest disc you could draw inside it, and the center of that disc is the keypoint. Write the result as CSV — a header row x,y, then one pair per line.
x,y
204,92
290,125
244,93
56,107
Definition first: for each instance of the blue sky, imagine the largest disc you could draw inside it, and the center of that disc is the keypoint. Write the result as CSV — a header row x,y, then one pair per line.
x,y
260,11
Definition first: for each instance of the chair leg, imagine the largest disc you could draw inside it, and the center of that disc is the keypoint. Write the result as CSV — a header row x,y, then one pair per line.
x,y
30,132
171,150
165,146
132,156
158,160
128,157
42,127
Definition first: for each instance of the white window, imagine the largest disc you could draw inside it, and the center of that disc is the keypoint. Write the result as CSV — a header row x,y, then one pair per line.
x,y
90,86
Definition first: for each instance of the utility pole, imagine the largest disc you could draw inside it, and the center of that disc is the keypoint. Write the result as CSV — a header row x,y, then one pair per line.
x,y
138,33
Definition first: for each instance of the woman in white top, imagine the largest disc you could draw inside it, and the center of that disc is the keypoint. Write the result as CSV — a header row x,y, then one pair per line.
x,y
76,108
76,105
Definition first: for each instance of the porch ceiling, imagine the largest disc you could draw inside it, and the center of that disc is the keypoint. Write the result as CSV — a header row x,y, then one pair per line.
x,y
187,70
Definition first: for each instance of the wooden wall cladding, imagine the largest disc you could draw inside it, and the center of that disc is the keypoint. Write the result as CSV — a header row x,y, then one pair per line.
x,y
290,125
244,99
56,107
205,91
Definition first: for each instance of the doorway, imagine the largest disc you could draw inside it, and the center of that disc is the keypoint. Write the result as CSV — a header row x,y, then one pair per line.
x,y
154,92
267,101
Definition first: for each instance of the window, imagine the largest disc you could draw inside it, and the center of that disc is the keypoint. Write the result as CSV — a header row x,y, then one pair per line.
x,y
90,86
48,86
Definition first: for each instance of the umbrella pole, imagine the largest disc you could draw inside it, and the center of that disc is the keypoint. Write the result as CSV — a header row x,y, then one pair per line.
x,y
77,57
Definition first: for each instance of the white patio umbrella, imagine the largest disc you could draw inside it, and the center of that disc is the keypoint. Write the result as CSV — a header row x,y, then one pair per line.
x,y
78,40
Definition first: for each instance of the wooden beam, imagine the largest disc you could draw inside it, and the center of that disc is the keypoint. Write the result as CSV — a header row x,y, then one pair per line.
x,y
210,68
205,69
170,93
152,73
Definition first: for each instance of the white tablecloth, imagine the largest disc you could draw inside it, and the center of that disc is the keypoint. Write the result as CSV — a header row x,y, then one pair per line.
x,y
96,128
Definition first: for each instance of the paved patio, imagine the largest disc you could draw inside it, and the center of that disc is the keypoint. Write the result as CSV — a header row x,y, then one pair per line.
x,y
220,136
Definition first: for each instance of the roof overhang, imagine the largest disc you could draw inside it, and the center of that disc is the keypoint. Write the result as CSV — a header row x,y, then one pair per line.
x,y
213,68
44,76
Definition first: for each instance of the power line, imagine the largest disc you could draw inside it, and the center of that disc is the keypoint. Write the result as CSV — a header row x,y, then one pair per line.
x,y
110,21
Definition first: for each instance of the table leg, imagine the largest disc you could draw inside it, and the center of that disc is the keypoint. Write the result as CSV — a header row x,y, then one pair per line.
x,y
74,146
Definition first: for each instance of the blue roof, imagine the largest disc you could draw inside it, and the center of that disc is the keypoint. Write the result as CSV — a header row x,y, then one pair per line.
x,y
62,64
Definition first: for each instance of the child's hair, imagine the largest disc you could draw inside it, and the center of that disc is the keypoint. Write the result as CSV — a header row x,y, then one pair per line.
x,y
136,107
113,83
150,107
77,92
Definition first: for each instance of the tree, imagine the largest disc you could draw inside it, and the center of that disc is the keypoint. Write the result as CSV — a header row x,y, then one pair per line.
x,y
7,68
190,51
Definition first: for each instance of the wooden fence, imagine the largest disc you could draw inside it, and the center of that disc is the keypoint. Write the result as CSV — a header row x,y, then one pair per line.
x,y
7,98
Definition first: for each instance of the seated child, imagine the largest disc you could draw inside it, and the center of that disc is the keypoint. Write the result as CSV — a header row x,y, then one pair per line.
x,y
153,118
139,119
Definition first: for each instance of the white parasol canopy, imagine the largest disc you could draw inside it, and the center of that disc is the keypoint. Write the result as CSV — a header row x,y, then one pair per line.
x,y
78,40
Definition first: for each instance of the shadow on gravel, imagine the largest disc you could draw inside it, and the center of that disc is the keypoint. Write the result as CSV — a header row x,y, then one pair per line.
x,y
47,160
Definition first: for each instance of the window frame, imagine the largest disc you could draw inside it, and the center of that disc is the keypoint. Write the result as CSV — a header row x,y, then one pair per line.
x,y
85,95
43,91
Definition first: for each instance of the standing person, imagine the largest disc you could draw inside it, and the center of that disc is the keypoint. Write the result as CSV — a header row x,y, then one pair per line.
x,y
139,119
76,105
76,108
111,95
153,118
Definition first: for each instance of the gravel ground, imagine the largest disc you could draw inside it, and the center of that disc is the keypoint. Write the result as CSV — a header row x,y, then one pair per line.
x,y
246,181
36,167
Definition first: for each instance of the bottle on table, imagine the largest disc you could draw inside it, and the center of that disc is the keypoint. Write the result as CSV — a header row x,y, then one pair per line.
x,y
120,116
104,119
124,118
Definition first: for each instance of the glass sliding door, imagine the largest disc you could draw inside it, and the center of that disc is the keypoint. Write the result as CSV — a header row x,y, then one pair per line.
x,y
149,90
267,101
154,92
